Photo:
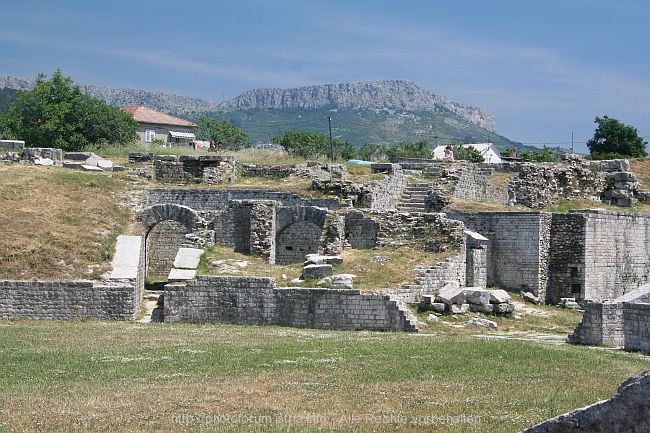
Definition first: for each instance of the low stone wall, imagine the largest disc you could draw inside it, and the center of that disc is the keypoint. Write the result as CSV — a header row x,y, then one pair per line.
x,y
206,169
474,184
12,144
627,411
67,300
625,322
636,327
201,199
257,301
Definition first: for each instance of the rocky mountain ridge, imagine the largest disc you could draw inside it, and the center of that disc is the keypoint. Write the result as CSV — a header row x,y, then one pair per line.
x,y
391,96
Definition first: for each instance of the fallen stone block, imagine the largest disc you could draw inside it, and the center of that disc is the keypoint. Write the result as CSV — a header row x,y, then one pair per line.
x,y
181,275
481,308
318,259
499,296
504,308
529,297
433,318
438,307
459,308
479,322
451,293
316,271
187,258
343,281
474,295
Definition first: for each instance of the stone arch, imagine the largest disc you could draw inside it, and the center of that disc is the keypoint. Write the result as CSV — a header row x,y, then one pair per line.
x,y
165,228
299,231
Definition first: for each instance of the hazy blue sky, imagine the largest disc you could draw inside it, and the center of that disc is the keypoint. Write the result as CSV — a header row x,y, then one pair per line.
x,y
544,68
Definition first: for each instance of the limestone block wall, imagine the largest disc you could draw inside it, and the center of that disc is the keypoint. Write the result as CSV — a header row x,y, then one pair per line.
x,y
567,257
361,232
163,242
473,184
636,326
202,199
385,193
617,253
232,226
207,169
257,301
518,252
602,323
67,300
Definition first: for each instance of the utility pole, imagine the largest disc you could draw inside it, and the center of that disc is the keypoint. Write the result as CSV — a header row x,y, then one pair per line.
x,y
329,120
572,143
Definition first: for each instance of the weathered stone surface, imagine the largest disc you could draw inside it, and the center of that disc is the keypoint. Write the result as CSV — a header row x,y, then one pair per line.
x,y
343,281
499,296
181,274
432,318
126,259
482,308
316,271
474,295
318,259
529,297
479,322
451,293
504,308
627,411
188,258
459,309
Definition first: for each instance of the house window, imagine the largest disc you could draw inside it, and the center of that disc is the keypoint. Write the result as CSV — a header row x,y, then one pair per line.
x,y
149,135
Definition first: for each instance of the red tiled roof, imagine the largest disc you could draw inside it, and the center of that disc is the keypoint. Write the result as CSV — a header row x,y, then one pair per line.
x,y
144,114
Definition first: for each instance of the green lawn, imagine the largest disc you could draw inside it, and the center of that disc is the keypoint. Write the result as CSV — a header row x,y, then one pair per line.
x,y
124,377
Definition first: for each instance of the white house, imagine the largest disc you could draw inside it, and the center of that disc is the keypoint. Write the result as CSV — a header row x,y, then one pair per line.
x,y
488,151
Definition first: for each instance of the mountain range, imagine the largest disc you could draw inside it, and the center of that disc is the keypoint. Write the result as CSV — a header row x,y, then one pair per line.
x,y
372,111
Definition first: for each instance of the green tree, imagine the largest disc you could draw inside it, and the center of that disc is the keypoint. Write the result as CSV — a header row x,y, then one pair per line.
x,y
223,134
546,154
57,114
304,144
407,149
466,153
372,152
612,139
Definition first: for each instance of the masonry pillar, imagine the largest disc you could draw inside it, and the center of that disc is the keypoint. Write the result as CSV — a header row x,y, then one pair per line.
x,y
262,233
476,259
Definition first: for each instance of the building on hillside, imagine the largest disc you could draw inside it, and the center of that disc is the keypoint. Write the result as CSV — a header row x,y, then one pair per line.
x,y
488,151
156,125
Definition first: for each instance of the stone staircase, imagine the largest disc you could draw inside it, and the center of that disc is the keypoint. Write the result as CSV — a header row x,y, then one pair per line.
x,y
413,198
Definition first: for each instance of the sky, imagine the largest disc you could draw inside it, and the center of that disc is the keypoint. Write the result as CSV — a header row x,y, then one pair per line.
x,y
545,69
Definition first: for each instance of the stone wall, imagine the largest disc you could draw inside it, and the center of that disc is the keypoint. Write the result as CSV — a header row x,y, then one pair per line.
x,y
201,199
257,301
628,411
163,242
474,184
206,169
67,300
636,327
12,144
617,253
518,251
622,322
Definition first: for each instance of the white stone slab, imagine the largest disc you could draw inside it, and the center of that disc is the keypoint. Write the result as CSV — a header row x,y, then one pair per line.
x,y
188,258
181,274
127,257
90,168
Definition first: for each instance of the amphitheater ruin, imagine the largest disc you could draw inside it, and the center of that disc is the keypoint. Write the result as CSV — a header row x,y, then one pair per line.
x,y
598,259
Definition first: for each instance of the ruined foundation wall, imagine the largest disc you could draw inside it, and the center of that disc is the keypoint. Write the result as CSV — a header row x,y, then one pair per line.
x,y
67,300
201,199
617,253
257,301
517,252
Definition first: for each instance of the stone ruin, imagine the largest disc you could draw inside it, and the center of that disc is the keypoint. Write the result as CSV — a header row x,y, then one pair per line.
x,y
555,258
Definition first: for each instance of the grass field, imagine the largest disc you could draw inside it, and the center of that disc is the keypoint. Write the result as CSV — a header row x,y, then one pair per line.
x,y
131,377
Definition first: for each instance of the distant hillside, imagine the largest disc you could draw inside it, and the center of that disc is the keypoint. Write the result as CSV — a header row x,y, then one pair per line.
x,y
372,111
